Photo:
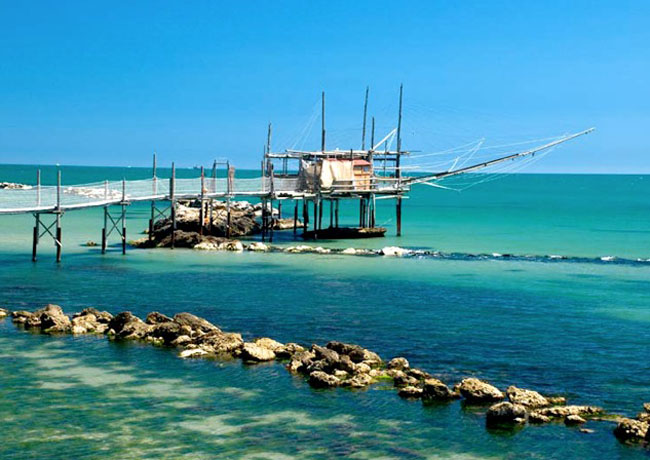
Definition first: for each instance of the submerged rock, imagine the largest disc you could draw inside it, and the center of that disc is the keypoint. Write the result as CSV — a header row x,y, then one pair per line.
x,y
4,313
528,398
630,430
193,353
478,391
258,247
505,413
574,420
565,411
394,251
536,417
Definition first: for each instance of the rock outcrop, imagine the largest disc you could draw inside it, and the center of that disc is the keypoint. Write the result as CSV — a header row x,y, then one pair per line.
x,y
630,430
126,325
478,391
527,398
253,352
506,413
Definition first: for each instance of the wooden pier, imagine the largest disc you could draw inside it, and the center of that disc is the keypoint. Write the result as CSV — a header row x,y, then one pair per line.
x,y
310,180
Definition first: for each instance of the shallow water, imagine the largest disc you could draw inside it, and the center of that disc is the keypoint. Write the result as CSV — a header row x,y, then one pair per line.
x,y
571,328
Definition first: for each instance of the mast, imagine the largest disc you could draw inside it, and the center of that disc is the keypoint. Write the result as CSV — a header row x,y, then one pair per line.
x,y
322,142
365,113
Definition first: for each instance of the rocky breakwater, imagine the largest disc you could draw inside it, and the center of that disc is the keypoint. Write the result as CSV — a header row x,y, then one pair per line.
x,y
243,222
334,365
635,430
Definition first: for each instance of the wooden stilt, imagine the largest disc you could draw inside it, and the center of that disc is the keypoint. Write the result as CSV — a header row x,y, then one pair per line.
x,y
271,222
57,240
104,235
399,217
123,230
305,214
320,214
331,213
295,216
336,214
35,236
202,199
172,187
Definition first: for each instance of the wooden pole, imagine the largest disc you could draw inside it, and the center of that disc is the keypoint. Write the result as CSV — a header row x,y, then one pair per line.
x,y
315,218
322,142
57,239
295,216
320,214
172,186
123,217
202,198
38,187
104,230
336,214
271,222
365,113
398,169
153,203
305,214
37,228
331,213
229,179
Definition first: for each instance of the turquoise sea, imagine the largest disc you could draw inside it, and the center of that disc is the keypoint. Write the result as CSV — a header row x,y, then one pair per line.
x,y
578,327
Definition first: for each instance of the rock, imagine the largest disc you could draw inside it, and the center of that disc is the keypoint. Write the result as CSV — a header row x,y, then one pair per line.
x,y
362,368
359,381
4,313
156,318
401,379
21,316
410,392
435,389
362,355
630,430
221,342
288,350
338,373
528,398
329,358
398,363
193,353
299,249
102,317
417,374
536,417
646,407
343,348
269,344
234,246
181,340
320,379
286,224
565,411
53,320
349,251
167,331
206,246
252,352
301,361
194,322
643,416
506,413
477,391
394,251
87,323
574,420
91,244
14,185
128,326
555,400
258,247
586,430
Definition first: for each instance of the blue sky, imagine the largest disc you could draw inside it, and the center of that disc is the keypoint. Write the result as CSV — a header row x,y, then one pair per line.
x,y
108,83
